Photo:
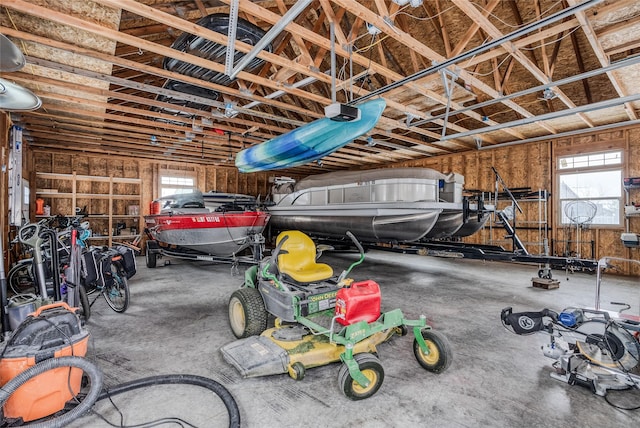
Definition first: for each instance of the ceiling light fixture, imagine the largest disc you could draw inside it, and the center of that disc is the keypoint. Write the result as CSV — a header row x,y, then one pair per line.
x,y
11,58
548,94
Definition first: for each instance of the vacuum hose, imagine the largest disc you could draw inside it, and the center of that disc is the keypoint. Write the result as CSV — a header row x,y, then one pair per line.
x,y
174,379
90,369
96,393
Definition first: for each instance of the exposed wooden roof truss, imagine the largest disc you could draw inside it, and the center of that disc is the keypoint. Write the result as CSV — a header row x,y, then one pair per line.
x,y
98,67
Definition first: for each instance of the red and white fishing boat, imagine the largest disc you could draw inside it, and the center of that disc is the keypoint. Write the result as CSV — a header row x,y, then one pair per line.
x,y
217,224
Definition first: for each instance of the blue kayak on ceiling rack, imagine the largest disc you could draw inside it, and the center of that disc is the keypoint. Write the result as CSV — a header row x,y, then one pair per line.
x,y
310,142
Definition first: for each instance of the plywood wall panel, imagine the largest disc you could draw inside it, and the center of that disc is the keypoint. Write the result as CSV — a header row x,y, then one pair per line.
x,y
242,186
485,176
634,153
98,167
221,180
62,164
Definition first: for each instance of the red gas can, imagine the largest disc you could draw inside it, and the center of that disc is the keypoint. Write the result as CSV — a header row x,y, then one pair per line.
x,y
360,302
155,207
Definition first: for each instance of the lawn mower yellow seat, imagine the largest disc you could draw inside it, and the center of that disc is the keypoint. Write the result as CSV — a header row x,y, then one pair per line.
x,y
297,259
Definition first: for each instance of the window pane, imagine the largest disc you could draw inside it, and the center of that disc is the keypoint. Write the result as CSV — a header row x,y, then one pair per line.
x,y
590,160
176,184
180,181
591,185
614,158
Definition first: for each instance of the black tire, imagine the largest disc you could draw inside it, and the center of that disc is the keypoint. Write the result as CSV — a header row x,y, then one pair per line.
x,y
440,355
298,371
371,367
151,258
403,330
21,280
247,314
117,294
85,306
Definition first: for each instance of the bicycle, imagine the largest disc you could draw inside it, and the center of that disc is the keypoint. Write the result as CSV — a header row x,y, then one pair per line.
x,y
104,271
44,274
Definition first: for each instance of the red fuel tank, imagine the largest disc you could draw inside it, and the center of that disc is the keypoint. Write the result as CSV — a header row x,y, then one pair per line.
x,y
360,302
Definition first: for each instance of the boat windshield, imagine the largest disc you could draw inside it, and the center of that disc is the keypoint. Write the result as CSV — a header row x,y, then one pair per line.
x,y
193,199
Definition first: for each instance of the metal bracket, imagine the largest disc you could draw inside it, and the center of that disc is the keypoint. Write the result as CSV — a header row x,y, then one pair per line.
x,y
231,47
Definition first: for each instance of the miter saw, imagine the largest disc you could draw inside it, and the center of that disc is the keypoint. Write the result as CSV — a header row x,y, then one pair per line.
x,y
590,347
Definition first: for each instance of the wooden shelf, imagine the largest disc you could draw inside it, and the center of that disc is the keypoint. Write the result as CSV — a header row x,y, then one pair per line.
x,y
108,201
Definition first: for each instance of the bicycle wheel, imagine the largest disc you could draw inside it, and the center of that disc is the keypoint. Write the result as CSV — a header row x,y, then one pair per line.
x,y
117,293
21,279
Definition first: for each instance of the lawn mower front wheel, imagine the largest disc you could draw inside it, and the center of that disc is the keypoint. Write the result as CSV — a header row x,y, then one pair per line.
x,y
439,356
371,368
247,314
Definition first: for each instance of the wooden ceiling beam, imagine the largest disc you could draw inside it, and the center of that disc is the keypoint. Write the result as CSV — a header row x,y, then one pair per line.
x,y
406,39
176,128
581,67
252,8
614,50
441,28
170,141
602,57
149,69
469,9
106,138
543,47
192,28
618,27
164,51
473,29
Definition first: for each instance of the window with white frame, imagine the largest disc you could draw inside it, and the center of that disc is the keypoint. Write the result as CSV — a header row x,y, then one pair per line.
x,y
173,184
590,188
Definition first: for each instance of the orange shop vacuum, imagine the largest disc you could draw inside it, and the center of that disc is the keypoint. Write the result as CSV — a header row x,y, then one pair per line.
x,y
52,331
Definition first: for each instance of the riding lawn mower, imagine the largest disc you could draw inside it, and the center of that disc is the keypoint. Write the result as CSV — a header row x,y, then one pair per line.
x,y
319,319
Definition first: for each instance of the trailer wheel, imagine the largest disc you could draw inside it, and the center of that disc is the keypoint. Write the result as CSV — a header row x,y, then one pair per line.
x,y
371,368
247,315
151,258
439,356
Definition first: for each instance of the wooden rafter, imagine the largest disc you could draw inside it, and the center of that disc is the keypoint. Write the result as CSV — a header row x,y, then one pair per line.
x,y
469,9
602,57
126,105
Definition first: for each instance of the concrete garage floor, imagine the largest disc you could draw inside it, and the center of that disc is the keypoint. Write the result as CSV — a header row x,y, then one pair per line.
x,y
177,322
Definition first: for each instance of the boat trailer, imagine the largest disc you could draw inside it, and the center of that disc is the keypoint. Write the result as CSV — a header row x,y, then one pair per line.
x,y
453,249
155,250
